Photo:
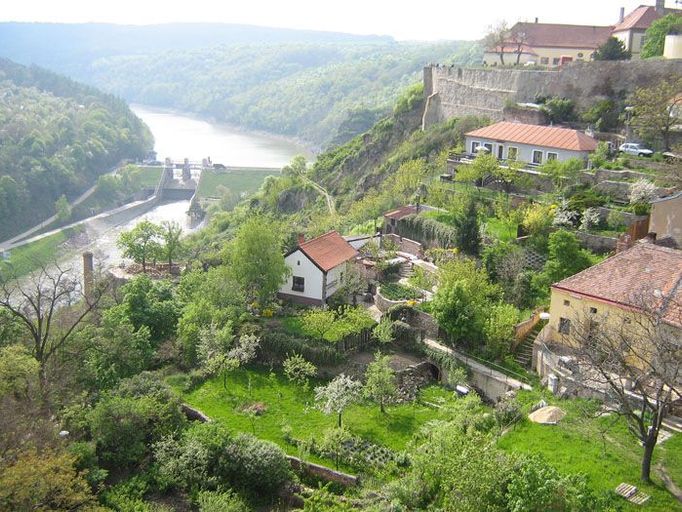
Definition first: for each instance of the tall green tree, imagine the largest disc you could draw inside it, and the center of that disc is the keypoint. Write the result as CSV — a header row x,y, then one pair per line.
x,y
380,384
141,243
657,109
171,233
654,37
612,49
256,261
468,233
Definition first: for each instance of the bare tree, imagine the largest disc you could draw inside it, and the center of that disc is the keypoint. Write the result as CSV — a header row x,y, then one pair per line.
x,y
518,38
497,39
636,360
51,306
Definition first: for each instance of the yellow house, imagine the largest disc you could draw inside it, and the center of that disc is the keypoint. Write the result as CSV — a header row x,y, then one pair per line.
x,y
548,44
631,29
614,294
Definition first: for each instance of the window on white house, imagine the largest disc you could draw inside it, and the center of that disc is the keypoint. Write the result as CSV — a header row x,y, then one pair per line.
x,y
474,145
512,153
556,61
299,284
544,60
564,326
537,156
552,156
489,147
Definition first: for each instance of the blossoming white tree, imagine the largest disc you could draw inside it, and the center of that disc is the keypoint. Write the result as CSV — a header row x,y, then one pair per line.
x,y
337,395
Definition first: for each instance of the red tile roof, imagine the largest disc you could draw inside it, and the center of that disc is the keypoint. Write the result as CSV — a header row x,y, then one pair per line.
x,y
556,35
644,272
401,212
639,19
328,251
545,136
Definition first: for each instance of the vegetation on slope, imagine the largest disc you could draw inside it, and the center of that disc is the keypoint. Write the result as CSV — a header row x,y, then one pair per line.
x,y
319,92
57,136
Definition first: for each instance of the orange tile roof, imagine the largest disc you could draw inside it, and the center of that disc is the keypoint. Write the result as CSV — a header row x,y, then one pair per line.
x,y
545,136
557,35
328,251
644,272
639,19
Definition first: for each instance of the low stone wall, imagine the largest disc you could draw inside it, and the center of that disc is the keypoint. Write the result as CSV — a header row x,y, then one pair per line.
x,y
626,174
628,218
384,304
406,245
322,472
596,243
521,330
425,323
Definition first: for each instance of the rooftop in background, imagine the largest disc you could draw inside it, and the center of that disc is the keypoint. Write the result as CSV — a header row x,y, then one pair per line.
x,y
544,136
328,251
644,272
556,35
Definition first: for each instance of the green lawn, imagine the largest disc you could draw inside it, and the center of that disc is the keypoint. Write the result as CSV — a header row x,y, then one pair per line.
x,y
27,258
500,229
237,180
608,454
290,405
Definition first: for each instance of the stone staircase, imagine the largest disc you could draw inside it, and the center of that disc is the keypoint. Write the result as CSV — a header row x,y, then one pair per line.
x,y
406,271
524,352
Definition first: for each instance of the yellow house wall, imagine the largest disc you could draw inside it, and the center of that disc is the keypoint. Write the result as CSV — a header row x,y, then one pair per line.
x,y
550,54
578,310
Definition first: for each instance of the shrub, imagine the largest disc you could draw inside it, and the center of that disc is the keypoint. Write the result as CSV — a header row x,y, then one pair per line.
x,y
590,219
642,192
227,501
276,346
422,279
616,220
298,370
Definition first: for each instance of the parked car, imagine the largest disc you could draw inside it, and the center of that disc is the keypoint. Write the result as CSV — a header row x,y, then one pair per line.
x,y
631,148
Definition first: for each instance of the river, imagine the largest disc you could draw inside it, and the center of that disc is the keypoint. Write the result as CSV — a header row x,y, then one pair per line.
x,y
179,136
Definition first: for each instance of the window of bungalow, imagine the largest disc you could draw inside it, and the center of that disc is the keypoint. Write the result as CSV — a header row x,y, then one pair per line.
x,y
298,284
544,61
488,146
552,156
564,326
474,145
537,156
512,153
556,61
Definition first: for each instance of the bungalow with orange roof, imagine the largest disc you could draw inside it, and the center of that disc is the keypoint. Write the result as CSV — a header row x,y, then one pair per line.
x,y
530,143
317,268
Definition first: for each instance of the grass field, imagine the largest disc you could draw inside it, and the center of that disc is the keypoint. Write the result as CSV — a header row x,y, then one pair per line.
x,y
601,448
27,258
288,404
237,180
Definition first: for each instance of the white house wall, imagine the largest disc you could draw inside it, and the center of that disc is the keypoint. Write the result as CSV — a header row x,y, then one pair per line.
x,y
301,266
525,151
334,279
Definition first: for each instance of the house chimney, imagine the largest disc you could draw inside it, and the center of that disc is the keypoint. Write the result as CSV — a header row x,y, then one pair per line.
x,y
88,275
660,6
301,238
537,20
622,15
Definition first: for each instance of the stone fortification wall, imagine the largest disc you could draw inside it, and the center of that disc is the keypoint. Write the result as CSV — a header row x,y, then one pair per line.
x,y
455,92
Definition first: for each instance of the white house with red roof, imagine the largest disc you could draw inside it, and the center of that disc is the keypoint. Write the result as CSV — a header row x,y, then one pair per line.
x,y
530,143
317,268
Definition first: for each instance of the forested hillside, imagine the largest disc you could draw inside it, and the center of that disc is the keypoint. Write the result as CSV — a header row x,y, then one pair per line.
x,y
301,90
56,137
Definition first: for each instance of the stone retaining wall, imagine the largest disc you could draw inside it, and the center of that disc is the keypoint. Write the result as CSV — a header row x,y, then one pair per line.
x,y
384,304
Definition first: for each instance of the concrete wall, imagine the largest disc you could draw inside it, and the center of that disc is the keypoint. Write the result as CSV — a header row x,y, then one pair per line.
x,y
406,245
301,266
666,217
485,92
596,243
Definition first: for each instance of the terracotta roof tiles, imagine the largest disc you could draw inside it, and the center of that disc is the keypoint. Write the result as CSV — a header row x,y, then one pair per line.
x,y
544,136
639,19
644,272
557,35
328,251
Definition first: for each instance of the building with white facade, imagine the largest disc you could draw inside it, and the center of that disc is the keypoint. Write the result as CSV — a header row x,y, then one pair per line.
x,y
530,143
317,268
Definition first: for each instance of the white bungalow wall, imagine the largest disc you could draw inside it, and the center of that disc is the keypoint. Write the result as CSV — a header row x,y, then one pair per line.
x,y
525,151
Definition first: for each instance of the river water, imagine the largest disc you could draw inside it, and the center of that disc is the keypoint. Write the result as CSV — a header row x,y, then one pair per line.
x,y
181,136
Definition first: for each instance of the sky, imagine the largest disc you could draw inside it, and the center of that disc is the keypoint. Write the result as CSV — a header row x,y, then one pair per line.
x,y
402,19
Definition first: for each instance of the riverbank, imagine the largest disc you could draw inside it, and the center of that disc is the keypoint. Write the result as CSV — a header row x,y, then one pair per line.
x,y
195,136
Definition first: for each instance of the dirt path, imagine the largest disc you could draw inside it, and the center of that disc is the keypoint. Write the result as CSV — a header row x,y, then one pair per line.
x,y
327,196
